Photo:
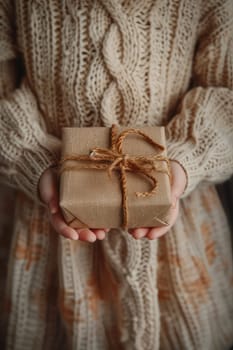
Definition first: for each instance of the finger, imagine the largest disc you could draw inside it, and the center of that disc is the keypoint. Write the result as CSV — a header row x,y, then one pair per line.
x,y
100,234
157,232
61,227
138,233
86,235
178,179
48,186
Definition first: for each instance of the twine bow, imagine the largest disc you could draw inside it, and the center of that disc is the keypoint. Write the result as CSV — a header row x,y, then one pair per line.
x,y
114,159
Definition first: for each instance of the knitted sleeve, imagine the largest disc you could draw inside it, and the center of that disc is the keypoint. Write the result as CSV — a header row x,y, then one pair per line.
x,y
26,149
200,135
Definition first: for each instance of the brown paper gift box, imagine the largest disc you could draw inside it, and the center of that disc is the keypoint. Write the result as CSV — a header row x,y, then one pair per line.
x,y
89,198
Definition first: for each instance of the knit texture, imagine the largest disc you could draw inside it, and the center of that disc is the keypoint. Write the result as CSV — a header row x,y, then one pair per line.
x,y
132,63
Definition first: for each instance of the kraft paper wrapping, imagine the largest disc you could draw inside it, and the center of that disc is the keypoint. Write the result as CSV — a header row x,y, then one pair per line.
x,y
89,198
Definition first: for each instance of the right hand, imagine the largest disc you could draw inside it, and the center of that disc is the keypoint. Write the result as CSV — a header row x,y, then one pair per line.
x,y
48,191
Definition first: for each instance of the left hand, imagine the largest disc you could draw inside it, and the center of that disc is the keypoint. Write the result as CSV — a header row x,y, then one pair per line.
x,y
177,187
49,194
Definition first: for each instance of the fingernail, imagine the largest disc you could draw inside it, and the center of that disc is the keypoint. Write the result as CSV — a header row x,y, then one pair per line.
x,y
93,238
102,236
74,235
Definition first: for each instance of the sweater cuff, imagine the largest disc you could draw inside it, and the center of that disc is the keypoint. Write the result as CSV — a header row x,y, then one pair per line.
x,y
27,149
33,163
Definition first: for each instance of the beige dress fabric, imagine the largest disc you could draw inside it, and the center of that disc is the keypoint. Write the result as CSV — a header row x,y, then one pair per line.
x,y
133,63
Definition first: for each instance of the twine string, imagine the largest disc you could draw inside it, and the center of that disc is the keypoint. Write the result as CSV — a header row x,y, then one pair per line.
x,y
114,158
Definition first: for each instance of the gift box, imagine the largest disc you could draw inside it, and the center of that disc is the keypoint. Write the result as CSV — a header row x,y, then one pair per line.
x,y
135,192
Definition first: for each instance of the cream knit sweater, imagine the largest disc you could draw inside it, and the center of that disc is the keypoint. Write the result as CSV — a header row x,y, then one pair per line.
x,y
133,63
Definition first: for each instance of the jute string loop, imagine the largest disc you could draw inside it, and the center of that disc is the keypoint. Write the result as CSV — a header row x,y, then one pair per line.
x,y
113,158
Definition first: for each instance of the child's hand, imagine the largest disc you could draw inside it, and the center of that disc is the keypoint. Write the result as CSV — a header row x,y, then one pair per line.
x,y
178,186
48,191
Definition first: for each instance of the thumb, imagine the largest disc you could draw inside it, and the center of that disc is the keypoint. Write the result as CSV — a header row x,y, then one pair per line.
x,y
48,188
178,180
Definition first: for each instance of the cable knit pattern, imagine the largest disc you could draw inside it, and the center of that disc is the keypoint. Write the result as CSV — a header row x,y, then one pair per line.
x,y
132,63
